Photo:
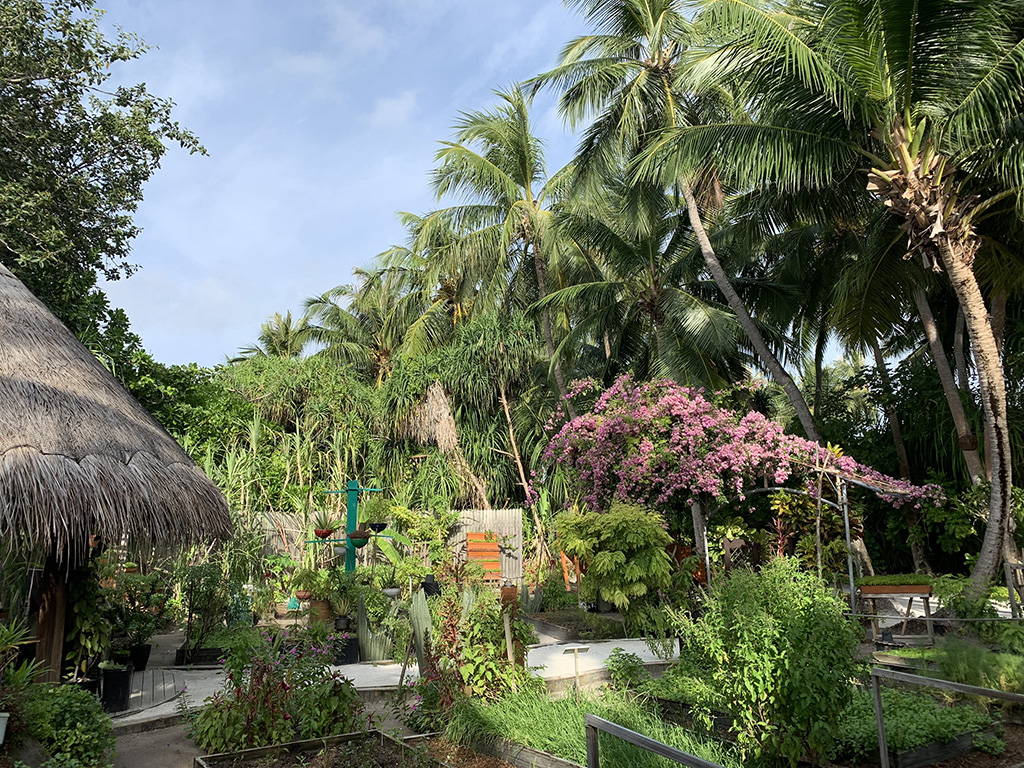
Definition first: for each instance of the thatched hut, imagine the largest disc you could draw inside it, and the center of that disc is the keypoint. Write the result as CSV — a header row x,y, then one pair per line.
x,y
79,456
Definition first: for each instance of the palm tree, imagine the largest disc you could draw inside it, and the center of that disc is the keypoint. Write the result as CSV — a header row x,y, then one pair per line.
x,y
280,336
645,301
909,101
630,75
504,226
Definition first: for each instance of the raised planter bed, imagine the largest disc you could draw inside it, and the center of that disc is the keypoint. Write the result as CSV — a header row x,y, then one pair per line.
x,y
931,753
521,756
896,590
378,748
205,657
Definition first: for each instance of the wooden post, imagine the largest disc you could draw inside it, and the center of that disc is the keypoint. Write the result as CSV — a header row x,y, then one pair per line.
x,y
1011,588
52,611
593,757
928,616
883,744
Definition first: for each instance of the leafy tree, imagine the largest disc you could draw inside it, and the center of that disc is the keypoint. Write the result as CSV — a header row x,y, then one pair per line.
x,y
75,157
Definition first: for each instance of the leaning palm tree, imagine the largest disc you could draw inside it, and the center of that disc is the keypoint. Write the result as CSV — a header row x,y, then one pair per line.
x,y
504,223
917,104
630,75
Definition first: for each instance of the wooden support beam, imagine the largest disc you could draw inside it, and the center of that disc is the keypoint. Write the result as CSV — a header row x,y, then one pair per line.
x,y
52,611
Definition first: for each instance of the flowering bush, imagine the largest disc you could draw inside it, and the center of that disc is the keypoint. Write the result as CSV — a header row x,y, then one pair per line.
x,y
278,688
659,444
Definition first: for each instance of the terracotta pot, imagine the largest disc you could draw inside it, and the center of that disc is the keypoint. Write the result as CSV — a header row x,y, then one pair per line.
x,y
319,611
324,533
303,594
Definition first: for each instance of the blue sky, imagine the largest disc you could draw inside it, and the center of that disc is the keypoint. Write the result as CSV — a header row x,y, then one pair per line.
x,y
321,118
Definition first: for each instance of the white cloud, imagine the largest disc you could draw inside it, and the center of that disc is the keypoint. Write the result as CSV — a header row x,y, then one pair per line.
x,y
355,33
393,110
305,64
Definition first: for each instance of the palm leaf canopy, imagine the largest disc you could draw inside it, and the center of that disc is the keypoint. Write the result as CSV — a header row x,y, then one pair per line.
x,y
78,454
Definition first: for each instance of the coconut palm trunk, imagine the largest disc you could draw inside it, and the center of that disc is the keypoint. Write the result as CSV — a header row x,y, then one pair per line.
x,y
966,438
541,268
997,542
764,353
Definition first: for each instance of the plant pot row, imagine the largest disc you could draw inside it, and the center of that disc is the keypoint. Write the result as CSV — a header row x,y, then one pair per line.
x,y
114,688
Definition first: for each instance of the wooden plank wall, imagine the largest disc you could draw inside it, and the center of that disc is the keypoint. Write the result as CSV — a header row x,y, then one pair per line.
x,y
507,524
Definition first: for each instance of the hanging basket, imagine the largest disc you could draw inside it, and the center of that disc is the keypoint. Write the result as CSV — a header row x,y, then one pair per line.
x,y
324,533
358,539
303,594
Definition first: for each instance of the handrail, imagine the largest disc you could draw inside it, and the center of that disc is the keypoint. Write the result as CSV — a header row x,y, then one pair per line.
x,y
593,724
931,682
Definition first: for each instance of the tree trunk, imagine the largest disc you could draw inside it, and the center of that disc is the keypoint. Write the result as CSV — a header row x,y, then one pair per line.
x,y
819,367
962,374
700,537
549,339
52,613
999,316
890,411
766,356
967,441
997,541
542,546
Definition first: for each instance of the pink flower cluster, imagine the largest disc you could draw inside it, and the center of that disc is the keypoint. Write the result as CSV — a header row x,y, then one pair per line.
x,y
659,444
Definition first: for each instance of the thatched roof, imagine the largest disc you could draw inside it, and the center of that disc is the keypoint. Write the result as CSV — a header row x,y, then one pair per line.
x,y
78,454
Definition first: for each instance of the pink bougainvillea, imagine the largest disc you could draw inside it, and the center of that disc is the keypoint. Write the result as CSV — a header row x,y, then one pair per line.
x,y
660,444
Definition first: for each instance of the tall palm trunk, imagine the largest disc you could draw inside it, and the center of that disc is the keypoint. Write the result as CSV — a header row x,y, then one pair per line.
x,y
542,546
549,339
767,357
997,542
921,564
966,439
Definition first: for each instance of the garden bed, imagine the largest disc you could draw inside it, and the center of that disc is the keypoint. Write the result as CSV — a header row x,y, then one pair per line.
x,y
370,749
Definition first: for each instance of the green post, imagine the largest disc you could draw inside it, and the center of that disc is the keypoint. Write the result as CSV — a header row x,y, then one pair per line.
x,y
351,523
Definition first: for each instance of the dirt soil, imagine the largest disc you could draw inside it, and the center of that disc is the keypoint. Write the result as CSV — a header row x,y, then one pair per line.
x,y
462,757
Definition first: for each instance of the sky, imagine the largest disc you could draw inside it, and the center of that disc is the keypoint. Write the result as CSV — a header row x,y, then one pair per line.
x,y
321,119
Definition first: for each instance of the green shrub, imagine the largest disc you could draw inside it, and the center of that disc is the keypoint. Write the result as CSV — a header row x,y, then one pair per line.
x,y
781,654
536,721
626,670
71,724
555,596
624,550
687,684
895,580
911,720
278,688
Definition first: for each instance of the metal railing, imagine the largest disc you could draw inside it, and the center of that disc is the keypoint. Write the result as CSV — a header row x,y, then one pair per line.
x,y
593,724
905,677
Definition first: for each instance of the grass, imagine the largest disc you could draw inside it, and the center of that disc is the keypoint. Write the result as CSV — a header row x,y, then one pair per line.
x,y
537,721
895,580
963,661
588,626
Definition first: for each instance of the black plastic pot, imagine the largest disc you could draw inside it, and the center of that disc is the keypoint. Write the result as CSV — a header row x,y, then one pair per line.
x,y
430,587
349,652
376,527
117,689
341,623
139,656
90,684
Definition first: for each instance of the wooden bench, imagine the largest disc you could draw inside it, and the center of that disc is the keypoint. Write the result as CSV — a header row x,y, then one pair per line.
x,y
483,548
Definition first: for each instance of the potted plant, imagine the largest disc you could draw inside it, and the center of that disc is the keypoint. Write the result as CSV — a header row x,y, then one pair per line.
x,y
358,538
390,584
324,525
204,595
136,613
896,584
342,607
117,686
318,584
374,513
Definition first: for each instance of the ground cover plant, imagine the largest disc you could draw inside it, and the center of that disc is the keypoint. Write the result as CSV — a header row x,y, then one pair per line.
x,y
71,724
556,726
912,720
